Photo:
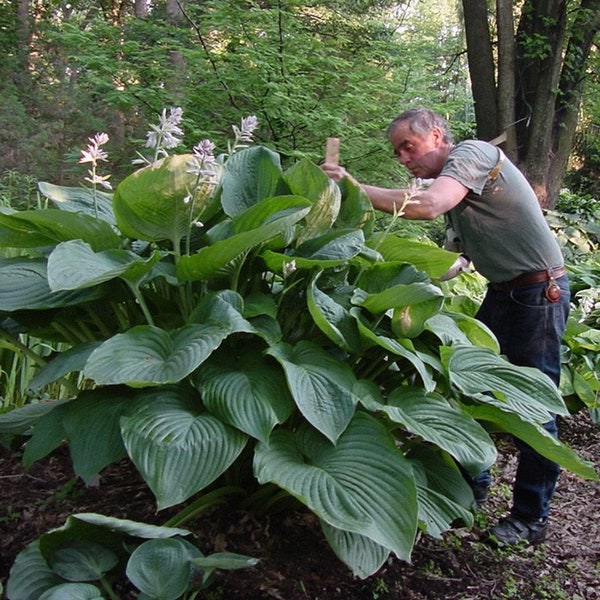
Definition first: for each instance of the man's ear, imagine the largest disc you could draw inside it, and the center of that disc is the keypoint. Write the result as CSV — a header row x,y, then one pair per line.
x,y
438,136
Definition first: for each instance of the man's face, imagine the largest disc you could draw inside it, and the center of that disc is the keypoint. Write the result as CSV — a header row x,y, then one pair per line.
x,y
420,154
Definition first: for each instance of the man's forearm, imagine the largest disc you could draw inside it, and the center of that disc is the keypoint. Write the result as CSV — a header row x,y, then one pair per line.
x,y
410,206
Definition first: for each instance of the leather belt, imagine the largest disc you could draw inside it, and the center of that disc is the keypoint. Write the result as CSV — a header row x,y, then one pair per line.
x,y
529,279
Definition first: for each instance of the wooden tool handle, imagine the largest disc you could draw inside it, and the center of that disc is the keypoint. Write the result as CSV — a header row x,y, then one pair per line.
x,y
332,151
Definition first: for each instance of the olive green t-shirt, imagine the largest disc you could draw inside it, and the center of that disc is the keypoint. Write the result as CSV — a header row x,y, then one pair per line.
x,y
500,223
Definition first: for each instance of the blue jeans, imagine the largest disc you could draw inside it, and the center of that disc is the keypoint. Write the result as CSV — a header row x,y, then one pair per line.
x,y
529,329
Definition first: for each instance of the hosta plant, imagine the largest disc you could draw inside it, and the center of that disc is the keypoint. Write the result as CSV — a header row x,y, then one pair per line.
x,y
241,330
91,555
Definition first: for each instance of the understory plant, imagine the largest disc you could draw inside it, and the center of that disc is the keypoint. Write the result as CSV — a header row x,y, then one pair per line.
x,y
241,331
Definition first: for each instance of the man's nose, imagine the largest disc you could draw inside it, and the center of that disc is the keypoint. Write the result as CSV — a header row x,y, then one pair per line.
x,y
403,157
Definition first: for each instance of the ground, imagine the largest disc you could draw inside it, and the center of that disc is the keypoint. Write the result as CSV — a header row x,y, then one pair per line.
x,y
297,564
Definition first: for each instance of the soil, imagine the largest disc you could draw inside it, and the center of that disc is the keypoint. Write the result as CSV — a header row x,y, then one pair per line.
x,y
295,561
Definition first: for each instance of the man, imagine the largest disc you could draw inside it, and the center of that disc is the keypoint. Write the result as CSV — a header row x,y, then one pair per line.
x,y
501,228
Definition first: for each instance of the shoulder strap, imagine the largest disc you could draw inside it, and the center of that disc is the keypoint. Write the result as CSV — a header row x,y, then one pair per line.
x,y
498,167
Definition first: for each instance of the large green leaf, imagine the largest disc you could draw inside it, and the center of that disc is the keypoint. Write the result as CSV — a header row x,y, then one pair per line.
x,y
24,286
337,244
437,513
48,434
307,179
83,560
444,495
225,560
453,328
402,348
536,437
360,553
62,363
399,296
74,265
109,532
279,262
432,418
161,569
147,355
227,306
362,484
433,260
333,319
18,420
481,373
96,203
30,229
382,276
178,448
268,210
126,526
151,203
250,176
409,321
211,259
91,423
72,591
246,391
304,178
30,575
356,211
440,472
320,384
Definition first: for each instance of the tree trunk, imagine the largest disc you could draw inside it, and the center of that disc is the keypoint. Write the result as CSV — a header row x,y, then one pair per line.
x,y
176,16
23,37
540,43
572,81
481,67
506,77
141,9
548,74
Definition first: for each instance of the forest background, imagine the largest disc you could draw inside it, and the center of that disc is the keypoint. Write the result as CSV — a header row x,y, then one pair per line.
x,y
341,68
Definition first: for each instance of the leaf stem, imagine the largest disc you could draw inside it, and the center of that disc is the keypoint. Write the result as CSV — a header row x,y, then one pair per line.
x,y
203,503
108,589
141,302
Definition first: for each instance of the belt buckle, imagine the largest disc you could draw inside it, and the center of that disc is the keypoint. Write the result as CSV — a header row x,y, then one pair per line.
x,y
552,290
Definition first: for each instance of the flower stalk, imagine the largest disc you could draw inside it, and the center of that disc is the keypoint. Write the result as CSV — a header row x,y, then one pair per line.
x,y
93,154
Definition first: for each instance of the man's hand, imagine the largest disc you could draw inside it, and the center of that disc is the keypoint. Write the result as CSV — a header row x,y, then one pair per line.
x,y
336,172
461,265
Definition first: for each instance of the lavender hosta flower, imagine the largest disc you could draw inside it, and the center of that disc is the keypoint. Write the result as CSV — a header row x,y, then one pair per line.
x,y
244,133
166,135
101,180
203,151
249,124
93,153
204,164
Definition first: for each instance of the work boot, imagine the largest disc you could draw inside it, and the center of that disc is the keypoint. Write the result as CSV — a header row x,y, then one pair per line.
x,y
480,493
515,530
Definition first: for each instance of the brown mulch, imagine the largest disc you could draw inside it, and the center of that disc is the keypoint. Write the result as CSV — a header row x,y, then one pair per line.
x,y
295,561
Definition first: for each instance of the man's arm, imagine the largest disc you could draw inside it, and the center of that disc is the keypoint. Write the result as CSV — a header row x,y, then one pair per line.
x,y
441,196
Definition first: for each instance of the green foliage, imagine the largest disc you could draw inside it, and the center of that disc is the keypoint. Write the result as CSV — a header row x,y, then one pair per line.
x,y
242,330
18,191
93,555
576,226
580,380
338,69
